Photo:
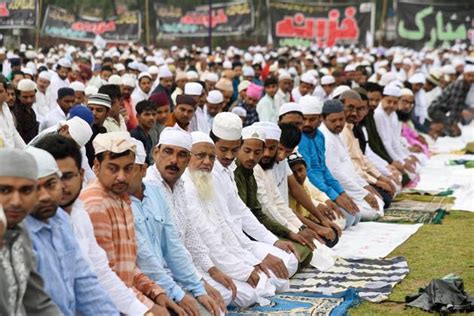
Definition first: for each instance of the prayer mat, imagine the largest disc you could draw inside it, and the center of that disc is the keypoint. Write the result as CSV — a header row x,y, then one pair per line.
x,y
413,216
302,304
373,279
430,204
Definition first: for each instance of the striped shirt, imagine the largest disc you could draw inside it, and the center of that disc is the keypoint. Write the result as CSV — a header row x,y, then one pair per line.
x,y
112,218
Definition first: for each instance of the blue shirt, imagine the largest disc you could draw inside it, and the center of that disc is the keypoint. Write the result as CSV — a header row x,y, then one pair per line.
x,y
313,151
160,246
67,276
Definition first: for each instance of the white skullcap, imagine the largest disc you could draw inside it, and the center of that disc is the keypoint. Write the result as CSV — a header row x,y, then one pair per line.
x,y
210,76
17,163
115,79
417,78
144,74
227,126
406,91
272,130
308,78
398,59
193,88
339,90
45,75
46,163
248,71
328,79
253,132
64,62
215,96
26,85
200,137
469,68
243,85
387,78
227,65
116,142
448,70
284,75
181,75
90,90
192,75
350,67
80,130
165,72
311,105
240,111
289,107
140,154
175,137
392,91
77,86
128,81
119,67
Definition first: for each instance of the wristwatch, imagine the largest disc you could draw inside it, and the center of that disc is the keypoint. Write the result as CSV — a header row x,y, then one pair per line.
x,y
303,227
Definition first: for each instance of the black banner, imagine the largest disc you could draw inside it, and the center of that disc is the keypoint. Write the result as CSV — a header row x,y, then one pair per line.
x,y
62,24
232,18
431,24
322,24
18,14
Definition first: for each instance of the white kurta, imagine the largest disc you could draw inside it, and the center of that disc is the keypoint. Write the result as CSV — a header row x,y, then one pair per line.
x,y
138,95
9,136
389,131
280,173
55,116
122,296
280,99
320,93
42,105
199,121
296,94
56,84
431,95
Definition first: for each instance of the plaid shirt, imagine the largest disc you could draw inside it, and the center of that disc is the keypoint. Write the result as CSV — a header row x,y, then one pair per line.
x,y
252,115
448,106
114,229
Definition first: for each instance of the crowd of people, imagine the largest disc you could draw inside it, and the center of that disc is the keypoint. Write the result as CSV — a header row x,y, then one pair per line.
x,y
149,181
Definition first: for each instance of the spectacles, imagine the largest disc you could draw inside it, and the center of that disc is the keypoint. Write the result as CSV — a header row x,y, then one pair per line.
x,y
202,156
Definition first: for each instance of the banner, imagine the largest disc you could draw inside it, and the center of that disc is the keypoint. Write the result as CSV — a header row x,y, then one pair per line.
x,y
18,14
62,24
432,24
323,24
231,18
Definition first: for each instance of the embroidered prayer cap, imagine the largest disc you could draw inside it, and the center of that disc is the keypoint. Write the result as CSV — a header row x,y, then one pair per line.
x,y
26,85
290,107
45,75
227,126
328,79
417,78
165,72
434,76
200,137
140,154
240,111
159,99
243,85
45,162
176,137
115,79
18,163
311,105
332,106
253,132
77,86
193,88
339,90
215,97
128,81
254,91
115,142
224,84
392,91
100,99
272,130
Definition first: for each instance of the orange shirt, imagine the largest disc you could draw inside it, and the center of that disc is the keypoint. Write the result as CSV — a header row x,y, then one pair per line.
x,y
132,121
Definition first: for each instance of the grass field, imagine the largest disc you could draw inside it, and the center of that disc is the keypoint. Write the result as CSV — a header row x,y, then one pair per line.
x,y
433,252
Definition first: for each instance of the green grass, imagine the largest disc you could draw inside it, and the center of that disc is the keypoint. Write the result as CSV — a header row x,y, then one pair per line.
x,y
433,252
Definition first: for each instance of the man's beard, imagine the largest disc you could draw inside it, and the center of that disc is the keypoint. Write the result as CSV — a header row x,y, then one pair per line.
x,y
404,116
203,183
268,165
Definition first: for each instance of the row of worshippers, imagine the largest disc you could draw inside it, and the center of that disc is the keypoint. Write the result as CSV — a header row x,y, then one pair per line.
x,y
253,84
219,218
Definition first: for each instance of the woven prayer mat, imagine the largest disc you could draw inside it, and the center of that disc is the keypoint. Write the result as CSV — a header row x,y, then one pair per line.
x,y
373,279
413,216
302,304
